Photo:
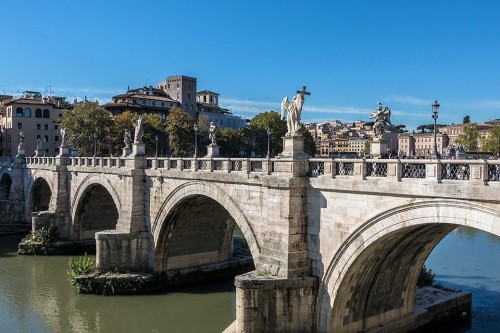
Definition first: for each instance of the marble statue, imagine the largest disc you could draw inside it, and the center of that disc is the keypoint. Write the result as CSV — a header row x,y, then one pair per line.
x,y
64,137
21,141
212,133
293,111
138,131
38,144
127,138
382,120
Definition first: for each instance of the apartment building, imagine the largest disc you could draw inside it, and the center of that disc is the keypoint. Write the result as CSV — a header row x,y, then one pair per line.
x,y
421,144
37,118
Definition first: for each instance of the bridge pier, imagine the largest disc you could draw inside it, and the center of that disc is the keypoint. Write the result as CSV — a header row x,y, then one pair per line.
x,y
271,304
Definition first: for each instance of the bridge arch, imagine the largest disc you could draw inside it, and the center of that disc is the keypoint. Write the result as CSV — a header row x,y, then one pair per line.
x,y
40,192
206,196
96,206
372,277
5,186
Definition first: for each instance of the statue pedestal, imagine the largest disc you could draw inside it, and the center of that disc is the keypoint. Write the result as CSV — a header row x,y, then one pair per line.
x,y
138,149
74,152
293,147
212,151
64,151
126,152
378,148
21,153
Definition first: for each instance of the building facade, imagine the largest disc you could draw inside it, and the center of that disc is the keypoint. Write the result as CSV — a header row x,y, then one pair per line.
x,y
421,144
36,118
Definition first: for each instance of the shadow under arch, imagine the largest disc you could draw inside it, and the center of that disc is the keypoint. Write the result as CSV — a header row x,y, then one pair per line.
x,y
372,277
95,207
38,177
5,186
205,196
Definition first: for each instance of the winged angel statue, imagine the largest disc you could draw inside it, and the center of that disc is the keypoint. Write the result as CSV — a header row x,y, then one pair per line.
x,y
293,111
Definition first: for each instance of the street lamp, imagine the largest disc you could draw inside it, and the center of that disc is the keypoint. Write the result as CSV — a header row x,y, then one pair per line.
x,y
156,143
435,110
195,140
95,144
268,138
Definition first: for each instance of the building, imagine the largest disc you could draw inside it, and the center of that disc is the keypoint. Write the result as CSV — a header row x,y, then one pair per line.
x,y
175,92
421,144
4,99
454,131
37,118
145,100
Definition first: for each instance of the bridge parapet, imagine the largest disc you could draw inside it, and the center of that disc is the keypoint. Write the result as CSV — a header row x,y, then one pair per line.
x,y
397,169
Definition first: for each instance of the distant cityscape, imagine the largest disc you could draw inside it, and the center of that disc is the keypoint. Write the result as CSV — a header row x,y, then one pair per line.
x,y
37,117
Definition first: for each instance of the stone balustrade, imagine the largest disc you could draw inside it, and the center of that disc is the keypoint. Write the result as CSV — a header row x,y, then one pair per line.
x,y
399,169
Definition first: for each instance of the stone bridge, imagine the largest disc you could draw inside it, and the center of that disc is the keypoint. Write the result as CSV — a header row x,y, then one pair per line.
x,y
337,244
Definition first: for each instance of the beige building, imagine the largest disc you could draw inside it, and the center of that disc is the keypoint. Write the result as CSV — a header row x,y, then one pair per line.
x,y
37,118
421,144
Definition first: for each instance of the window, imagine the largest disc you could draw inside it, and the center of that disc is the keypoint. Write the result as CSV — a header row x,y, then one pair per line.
x,y
154,104
178,84
46,138
38,113
46,113
38,137
19,125
38,127
19,112
168,85
46,127
189,96
56,127
56,138
162,104
178,95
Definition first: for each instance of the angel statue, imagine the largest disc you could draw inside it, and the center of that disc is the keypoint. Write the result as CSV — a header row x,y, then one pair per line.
x,y
212,133
21,141
382,120
127,138
138,131
64,137
293,111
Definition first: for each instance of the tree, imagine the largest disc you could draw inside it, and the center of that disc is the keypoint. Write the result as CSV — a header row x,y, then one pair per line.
x,y
235,142
154,128
492,143
469,137
258,128
86,124
180,131
309,143
401,128
122,122
466,119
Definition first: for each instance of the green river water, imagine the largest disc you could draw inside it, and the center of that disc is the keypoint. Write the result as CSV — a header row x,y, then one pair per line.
x,y
35,295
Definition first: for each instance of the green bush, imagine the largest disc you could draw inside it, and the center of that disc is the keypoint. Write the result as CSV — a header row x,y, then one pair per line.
x,y
42,235
426,277
80,266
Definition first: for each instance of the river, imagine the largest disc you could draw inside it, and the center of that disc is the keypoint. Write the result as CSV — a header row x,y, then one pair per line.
x,y
35,295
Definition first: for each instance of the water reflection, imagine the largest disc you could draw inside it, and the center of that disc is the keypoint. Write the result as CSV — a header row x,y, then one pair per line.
x,y
36,297
468,259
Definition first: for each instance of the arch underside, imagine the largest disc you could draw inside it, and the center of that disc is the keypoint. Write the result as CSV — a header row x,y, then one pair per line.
x,y
96,211
41,195
197,231
195,226
5,186
372,278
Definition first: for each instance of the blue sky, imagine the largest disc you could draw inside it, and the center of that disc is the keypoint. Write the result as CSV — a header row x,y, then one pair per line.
x,y
349,54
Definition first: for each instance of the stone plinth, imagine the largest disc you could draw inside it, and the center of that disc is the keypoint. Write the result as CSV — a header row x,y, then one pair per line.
x,y
64,151
212,151
378,148
293,147
21,153
138,149
126,152
38,153
122,251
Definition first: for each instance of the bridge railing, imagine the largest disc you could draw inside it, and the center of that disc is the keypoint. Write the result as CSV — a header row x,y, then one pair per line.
x,y
43,160
405,169
208,164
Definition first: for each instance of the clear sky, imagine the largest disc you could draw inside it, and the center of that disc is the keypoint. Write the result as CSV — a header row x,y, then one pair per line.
x,y
349,54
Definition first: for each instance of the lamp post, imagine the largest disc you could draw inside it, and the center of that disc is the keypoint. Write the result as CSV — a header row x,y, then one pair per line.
x,y
435,110
195,140
268,139
156,143
95,144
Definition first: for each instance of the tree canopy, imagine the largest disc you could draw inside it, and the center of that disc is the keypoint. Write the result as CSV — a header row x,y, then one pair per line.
x,y
469,137
180,132
86,124
258,128
492,143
